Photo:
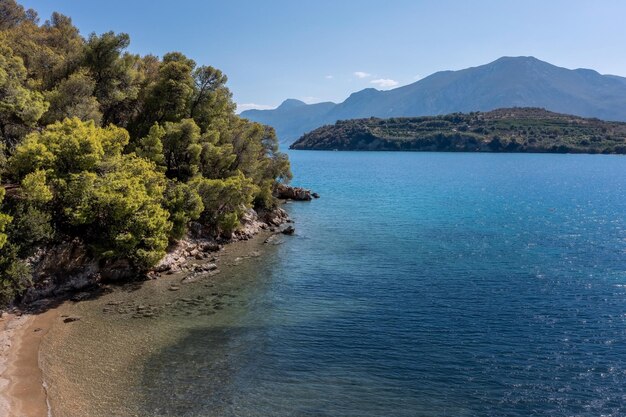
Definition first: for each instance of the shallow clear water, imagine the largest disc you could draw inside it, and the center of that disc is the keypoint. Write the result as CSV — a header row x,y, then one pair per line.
x,y
420,284
425,284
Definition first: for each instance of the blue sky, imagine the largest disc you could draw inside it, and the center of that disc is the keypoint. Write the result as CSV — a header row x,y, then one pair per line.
x,y
322,50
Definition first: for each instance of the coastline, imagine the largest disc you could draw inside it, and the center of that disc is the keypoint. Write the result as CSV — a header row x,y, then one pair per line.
x,y
23,391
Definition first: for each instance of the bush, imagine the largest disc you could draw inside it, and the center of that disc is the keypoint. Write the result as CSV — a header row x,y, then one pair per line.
x,y
224,201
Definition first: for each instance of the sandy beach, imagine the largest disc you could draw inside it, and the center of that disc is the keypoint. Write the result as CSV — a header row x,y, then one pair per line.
x,y
93,365
22,392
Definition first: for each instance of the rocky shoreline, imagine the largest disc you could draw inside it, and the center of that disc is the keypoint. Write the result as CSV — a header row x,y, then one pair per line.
x,y
67,271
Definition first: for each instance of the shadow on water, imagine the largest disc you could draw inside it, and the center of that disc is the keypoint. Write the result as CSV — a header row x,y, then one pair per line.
x,y
223,371
454,285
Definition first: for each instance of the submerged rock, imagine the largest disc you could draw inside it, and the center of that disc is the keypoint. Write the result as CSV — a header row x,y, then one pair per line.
x,y
273,240
209,267
289,230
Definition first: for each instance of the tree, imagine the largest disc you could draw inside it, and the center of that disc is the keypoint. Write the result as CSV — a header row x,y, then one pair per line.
x,y
13,14
5,219
50,52
224,200
73,97
67,147
188,157
184,205
120,210
110,199
168,99
116,75
216,160
256,155
211,102
61,36
20,107
182,149
151,146
35,188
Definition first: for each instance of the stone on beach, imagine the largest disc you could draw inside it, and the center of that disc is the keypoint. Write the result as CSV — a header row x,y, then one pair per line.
x,y
70,319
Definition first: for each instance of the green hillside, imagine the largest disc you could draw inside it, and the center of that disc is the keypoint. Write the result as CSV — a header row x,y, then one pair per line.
x,y
502,130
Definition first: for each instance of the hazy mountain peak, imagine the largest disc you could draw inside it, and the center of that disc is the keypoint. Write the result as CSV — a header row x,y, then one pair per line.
x,y
365,91
518,59
510,81
290,103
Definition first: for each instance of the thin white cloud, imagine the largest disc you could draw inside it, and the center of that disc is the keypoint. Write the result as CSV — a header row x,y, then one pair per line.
x,y
361,74
329,77
249,106
385,82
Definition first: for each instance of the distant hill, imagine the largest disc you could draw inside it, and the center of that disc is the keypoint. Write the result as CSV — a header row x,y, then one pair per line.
x,y
506,82
503,130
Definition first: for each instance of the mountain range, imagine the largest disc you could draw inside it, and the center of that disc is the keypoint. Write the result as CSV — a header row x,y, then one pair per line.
x,y
506,82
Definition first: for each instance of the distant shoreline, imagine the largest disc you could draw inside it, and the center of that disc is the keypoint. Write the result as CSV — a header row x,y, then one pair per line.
x,y
459,152
515,130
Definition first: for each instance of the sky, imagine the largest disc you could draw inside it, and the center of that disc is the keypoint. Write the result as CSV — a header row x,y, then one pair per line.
x,y
323,50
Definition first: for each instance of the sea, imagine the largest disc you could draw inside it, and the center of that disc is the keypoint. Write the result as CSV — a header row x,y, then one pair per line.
x,y
418,284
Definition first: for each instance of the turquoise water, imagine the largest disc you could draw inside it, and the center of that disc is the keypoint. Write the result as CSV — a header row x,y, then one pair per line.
x,y
424,284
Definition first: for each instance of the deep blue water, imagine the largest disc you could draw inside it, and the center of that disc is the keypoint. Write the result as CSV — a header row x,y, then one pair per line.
x,y
424,284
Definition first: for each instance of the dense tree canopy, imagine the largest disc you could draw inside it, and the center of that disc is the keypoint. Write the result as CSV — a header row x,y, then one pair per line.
x,y
118,150
20,106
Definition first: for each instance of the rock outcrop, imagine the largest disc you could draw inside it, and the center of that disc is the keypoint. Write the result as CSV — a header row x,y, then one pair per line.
x,y
69,268
286,192
289,230
178,256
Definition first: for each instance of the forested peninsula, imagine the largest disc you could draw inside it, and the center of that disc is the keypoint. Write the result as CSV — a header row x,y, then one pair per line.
x,y
113,157
502,130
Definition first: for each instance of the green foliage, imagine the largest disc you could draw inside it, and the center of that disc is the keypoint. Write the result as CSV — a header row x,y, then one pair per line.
x,y
182,149
16,274
72,170
228,223
184,205
211,101
224,200
503,130
35,188
116,76
168,99
20,107
50,52
114,199
151,146
122,210
31,227
216,160
73,97
67,147
12,14
5,219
